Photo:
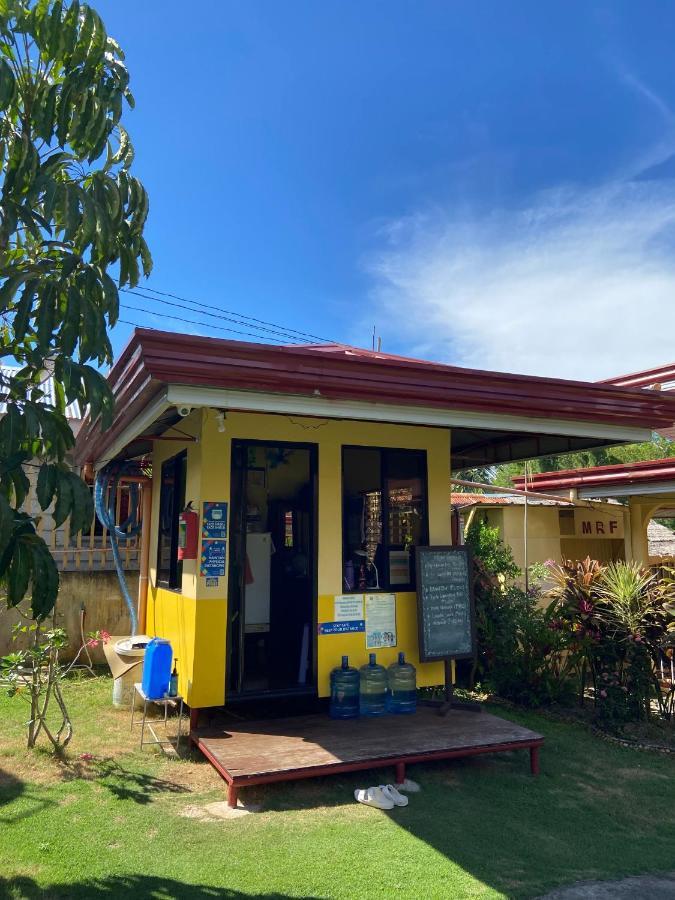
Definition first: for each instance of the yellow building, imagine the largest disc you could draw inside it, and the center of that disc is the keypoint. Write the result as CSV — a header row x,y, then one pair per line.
x,y
645,489
549,529
307,475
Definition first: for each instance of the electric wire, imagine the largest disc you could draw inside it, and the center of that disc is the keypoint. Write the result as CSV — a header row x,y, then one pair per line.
x,y
277,330
185,321
239,317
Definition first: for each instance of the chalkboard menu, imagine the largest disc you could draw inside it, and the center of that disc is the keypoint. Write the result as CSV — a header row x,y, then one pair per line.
x,y
445,611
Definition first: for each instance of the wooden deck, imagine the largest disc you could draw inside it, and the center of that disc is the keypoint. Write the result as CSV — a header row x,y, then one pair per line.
x,y
309,746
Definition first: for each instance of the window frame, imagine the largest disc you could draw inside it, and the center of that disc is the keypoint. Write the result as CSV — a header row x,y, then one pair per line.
x,y
174,581
385,474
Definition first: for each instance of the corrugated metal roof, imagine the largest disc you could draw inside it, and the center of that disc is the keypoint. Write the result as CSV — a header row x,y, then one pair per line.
x,y
73,411
461,500
661,540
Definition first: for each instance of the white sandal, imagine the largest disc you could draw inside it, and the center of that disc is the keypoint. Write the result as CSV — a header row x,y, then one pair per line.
x,y
373,796
409,786
392,794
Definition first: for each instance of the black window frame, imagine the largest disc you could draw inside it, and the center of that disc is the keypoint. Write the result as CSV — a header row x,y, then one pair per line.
x,y
178,464
385,475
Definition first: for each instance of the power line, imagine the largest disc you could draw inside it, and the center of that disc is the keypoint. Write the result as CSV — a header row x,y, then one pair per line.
x,y
191,322
277,330
239,316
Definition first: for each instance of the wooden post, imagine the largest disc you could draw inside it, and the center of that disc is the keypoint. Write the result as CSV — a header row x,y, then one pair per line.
x,y
400,772
231,796
534,760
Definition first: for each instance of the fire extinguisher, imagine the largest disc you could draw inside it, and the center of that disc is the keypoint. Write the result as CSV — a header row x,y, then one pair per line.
x,y
188,533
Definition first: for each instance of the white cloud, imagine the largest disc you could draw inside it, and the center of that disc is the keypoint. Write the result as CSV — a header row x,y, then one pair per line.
x,y
581,284
578,283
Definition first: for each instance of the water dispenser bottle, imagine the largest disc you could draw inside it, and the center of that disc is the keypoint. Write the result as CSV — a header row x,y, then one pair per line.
x,y
344,691
157,669
373,689
402,682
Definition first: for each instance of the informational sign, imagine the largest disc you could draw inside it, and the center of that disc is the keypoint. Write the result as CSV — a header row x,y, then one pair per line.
x,y
445,611
348,607
214,520
380,621
342,627
214,541
212,562
597,524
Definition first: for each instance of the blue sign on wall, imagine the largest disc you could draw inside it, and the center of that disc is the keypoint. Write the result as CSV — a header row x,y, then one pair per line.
x,y
214,520
342,627
212,560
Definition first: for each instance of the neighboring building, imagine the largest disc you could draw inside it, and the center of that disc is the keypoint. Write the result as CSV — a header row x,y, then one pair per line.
x,y
314,471
646,489
553,529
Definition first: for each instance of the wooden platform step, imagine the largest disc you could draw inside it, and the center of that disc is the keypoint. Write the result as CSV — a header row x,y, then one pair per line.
x,y
261,752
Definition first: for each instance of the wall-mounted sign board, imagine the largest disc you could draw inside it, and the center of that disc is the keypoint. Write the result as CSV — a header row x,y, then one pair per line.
x,y
596,523
445,608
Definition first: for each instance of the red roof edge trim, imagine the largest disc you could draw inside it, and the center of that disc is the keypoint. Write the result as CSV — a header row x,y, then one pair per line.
x,y
648,471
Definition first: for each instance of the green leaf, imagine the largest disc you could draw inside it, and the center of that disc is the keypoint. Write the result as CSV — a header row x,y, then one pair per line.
x,y
19,574
46,484
6,523
83,506
64,498
7,84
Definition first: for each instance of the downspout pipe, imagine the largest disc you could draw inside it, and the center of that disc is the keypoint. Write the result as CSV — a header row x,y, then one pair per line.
x,y
144,561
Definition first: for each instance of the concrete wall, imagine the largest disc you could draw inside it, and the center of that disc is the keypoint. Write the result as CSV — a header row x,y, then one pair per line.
x,y
104,607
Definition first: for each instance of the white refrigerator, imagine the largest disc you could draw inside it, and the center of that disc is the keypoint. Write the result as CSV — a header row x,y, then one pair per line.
x,y
257,593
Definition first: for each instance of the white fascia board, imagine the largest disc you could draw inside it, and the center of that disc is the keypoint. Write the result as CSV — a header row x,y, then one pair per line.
x,y
324,408
147,418
627,490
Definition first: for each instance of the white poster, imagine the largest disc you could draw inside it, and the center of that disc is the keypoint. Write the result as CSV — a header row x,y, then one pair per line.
x,y
380,621
348,608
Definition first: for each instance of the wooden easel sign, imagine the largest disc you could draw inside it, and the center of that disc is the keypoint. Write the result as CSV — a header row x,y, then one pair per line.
x,y
446,618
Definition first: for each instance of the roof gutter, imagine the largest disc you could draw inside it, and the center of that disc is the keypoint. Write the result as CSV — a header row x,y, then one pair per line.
x,y
326,408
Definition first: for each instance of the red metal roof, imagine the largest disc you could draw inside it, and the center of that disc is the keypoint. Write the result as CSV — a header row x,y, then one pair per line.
x,y
647,378
647,472
153,359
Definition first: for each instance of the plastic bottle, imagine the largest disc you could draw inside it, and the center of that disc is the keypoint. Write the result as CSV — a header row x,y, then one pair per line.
x,y
157,669
173,681
344,691
402,683
373,688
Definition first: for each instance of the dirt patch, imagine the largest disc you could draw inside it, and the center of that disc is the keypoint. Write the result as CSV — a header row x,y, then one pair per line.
x,y
218,811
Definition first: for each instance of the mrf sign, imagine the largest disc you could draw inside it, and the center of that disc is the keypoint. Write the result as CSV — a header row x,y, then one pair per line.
x,y
592,523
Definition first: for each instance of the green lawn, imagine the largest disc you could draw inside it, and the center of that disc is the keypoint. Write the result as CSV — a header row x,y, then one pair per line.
x,y
116,826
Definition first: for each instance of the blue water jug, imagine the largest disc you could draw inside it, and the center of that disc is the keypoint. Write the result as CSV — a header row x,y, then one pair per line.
x,y
402,683
344,691
157,669
373,688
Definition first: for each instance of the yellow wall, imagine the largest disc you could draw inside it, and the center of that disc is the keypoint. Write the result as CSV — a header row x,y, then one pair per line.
x,y
543,533
195,620
544,540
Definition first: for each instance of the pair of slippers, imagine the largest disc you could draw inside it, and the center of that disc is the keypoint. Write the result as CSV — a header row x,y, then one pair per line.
x,y
386,796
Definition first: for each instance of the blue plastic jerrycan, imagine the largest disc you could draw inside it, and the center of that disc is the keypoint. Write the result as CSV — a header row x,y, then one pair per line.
x,y
157,669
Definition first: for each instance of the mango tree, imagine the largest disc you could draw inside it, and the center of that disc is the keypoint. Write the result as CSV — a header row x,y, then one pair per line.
x,y
71,233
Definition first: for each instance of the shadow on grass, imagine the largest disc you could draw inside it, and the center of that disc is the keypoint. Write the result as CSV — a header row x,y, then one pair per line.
x,y
13,788
123,783
136,886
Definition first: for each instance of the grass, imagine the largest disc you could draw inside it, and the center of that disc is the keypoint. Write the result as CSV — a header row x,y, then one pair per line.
x,y
116,826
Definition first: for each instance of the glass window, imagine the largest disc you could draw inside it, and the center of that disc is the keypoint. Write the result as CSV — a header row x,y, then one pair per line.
x,y
171,505
384,517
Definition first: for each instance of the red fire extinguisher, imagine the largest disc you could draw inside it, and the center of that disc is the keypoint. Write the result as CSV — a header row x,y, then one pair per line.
x,y
188,533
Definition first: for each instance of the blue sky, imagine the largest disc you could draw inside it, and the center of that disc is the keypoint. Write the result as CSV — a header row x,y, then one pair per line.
x,y
490,183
